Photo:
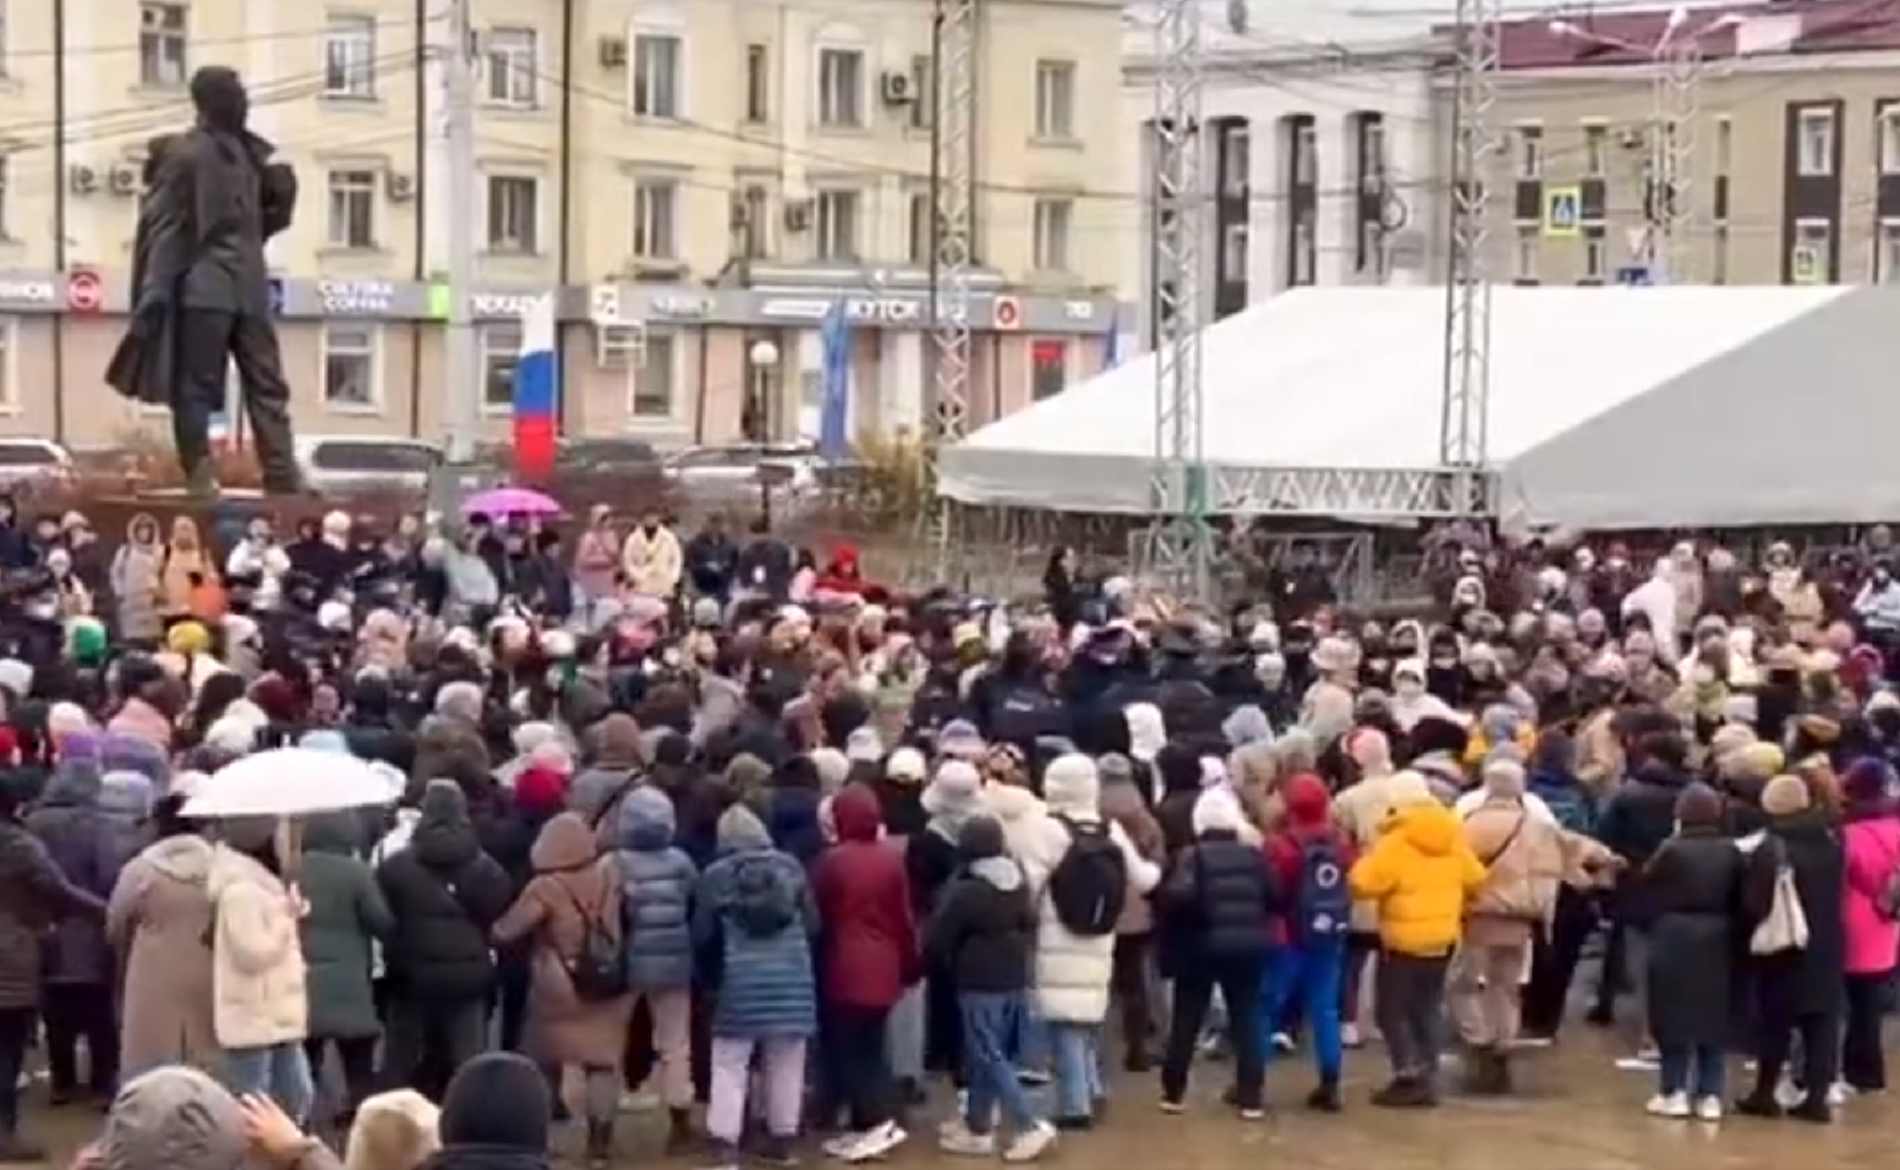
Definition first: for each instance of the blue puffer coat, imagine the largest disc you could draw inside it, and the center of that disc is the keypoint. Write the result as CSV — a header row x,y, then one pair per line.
x,y
656,893
754,918
91,825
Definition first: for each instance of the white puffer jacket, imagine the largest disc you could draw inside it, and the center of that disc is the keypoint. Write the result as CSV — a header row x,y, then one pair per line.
x,y
1072,972
257,984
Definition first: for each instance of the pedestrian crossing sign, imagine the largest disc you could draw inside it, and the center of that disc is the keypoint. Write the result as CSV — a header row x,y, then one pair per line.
x,y
1563,212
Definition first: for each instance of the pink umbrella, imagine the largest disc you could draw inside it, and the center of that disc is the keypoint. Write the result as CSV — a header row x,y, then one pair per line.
x,y
510,501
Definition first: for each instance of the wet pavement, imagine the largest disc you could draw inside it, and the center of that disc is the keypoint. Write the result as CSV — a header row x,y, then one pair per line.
x,y
1575,1111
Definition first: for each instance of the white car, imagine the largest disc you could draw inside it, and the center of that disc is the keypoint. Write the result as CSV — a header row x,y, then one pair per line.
x,y
742,469
354,463
34,461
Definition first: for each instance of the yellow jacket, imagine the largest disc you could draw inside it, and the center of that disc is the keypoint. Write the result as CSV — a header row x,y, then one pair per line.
x,y
1479,746
1421,873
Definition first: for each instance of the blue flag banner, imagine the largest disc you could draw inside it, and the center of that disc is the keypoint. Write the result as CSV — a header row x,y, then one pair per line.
x,y
834,415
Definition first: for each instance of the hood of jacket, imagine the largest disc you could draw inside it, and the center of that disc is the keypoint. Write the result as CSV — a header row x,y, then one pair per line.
x,y
856,814
230,868
127,796
565,843
1430,829
647,821
185,858
131,753
336,833
592,789
1001,872
75,783
444,835
740,830
1307,803
1007,802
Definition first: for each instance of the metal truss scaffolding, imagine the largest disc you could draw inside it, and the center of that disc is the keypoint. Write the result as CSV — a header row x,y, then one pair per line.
x,y
1180,543
1463,420
954,113
1676,98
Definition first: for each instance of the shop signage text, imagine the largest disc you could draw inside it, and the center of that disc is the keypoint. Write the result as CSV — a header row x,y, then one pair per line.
x,y
28,292
357,298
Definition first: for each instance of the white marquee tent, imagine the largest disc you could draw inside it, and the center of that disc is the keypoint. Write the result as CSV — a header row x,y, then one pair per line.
x,y
1609,408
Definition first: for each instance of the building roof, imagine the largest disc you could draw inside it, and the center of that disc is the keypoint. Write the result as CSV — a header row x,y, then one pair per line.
x,y
1780,28
1322,381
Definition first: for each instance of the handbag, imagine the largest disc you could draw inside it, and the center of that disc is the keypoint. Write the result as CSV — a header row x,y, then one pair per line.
x,y
1786,926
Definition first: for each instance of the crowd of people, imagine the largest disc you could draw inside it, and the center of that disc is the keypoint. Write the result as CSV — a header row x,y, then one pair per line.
x,y
701,819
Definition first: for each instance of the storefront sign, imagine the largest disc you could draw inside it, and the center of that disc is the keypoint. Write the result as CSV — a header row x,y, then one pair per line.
x,y
899,311
356,298
493,306
36,294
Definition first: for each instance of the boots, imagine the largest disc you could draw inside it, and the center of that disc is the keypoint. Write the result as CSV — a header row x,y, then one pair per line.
x,y
680,1137
600,1144
201,480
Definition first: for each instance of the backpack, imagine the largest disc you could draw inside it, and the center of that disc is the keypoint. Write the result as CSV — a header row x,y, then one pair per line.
x,y
1090,884
763,901
599,970
1322,902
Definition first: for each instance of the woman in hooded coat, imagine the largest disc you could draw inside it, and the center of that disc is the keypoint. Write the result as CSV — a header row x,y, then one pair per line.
x,y
157,920
347,916
134,581
575,894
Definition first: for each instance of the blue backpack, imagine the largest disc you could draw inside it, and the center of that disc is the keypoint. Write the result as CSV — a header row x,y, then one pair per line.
x,y
1322,904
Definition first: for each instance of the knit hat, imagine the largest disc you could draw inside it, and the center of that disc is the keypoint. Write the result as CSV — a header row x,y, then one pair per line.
x,y
833,768
540,790
863,746
955,790
1785,795
173,1118
1699,805
86,641
906,766
498,1099
1754,762
1867,781
188,638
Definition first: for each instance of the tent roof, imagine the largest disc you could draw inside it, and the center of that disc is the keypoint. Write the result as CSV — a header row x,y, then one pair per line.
x,y
1795,427
1328,380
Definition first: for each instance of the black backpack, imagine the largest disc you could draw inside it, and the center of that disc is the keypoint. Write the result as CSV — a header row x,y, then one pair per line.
x,y
599,970
1089,886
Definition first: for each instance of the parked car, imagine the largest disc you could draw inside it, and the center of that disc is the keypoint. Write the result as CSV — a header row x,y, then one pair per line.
x,y
742,469
355,463
34,462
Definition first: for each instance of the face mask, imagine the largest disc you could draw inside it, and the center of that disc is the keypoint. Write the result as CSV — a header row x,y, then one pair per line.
x,y
1408,687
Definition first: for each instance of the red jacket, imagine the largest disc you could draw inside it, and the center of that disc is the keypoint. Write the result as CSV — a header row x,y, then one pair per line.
x,y
1309,817
870,939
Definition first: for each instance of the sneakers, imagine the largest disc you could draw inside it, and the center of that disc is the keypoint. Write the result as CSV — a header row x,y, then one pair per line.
x,y
1708,1109
954,1137
1673,1105
1283,1042
873,1143
1350,1036
1030,1144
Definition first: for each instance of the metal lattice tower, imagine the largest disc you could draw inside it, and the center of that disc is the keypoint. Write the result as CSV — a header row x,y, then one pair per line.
x,y
1180,547
955,113
1676,107
1464,414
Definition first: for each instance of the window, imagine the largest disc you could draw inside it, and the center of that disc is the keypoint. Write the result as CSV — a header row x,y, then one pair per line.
x,y
656,75
6,190
1718,273
923,93
655,219
349,57
1527,151
1305,152
835,226
350,366
1887,140
1724,145
1372,158
758,84
1596,255
1305,251
1810,261
1053,219
1524,256
841,88
756,205
162,60
653,379
9,366
500,348
1233,252
1048,368
922,242
352,209
1375,246
1596,151
1234,158
1055,99
1814,143
513,60
1887,253
514,214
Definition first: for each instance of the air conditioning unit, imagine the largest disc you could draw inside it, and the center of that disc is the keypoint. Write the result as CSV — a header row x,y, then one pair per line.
x,y
897,89
1632,138
620,347
400,188
82,179
798,215
613,52
123,179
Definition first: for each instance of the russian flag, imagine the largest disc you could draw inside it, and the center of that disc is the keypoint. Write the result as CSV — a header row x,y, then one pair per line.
x,y
537,375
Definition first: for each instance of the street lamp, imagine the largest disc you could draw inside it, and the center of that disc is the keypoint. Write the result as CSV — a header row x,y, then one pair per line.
x,y
1676,56
762,368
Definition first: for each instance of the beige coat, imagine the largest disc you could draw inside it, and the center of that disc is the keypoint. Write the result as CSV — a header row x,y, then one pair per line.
x,y
258,993
1599,754
653,564
157,921
1524,866
572,883
134,580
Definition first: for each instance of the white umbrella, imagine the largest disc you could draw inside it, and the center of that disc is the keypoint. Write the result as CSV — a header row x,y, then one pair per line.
x,y
289,782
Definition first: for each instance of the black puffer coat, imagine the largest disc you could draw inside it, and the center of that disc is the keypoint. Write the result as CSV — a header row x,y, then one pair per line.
x,y
445,894
1808,981
1695,898
1217,902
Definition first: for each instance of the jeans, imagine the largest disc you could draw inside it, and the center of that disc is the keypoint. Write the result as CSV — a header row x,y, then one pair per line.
x,y
279,1070
1409,1003
1239,979
989,1022
1695,1069
1076,1052
1308,979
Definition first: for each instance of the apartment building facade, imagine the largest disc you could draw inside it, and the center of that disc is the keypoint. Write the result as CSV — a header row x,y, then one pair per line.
x,y
698,183
1786,155
1316,158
